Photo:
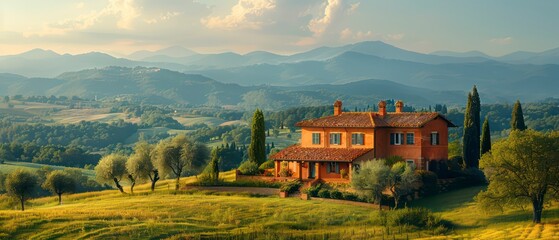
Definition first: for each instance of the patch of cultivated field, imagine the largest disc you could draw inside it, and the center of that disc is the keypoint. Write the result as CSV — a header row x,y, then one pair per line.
x,y
234,122
96,114
8,167
191,120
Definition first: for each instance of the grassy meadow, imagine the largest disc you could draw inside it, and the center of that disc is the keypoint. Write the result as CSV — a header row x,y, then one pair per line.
x,y
195,213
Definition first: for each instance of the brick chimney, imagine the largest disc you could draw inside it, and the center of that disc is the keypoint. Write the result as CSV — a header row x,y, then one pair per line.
x,y
337,107
399,106
382,108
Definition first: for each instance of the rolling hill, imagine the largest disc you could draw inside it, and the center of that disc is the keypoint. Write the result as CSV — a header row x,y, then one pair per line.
x,y
164,86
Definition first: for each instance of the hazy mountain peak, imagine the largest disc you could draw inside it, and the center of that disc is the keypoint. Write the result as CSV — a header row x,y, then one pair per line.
x,y
39,53
461,54
172,51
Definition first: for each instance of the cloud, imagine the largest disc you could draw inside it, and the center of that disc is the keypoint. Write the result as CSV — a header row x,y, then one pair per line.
x,y
348,34
501,41
162,18
243,15
124,10
353,7
394,37
307,41
319,25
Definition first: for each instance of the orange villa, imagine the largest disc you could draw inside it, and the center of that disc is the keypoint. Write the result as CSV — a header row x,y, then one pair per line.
x,y
342,141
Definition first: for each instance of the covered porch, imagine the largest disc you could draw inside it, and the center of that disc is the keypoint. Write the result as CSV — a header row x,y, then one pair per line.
x,y
327,164
309,170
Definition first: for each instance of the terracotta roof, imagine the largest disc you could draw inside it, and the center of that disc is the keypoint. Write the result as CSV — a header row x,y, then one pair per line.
x,y
296,152
372,120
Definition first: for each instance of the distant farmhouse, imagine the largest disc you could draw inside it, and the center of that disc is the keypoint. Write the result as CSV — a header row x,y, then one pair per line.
x,y
339,143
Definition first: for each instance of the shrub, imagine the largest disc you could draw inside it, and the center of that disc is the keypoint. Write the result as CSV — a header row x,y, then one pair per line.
x,y
324,193
313,190
443,169
335,194
350,196
474,176
285,171
429,180
249,168
391,160
291,186
455,163
344,173
267,165
418,217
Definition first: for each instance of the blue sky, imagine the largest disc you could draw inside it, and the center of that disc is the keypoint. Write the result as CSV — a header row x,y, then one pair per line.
x,y
283,26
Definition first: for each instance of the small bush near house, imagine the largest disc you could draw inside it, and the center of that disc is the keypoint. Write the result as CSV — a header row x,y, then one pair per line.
x,y
350,196
344,173
313,190
335,194
267,165
429,180
324,193
475,176
291,186
418,217
249,168
285,171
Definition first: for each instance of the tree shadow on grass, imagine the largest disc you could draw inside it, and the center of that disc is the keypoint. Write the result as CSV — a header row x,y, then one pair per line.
x,y
523,216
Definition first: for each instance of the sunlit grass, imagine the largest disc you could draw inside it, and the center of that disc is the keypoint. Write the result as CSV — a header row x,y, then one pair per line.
x,y
194,213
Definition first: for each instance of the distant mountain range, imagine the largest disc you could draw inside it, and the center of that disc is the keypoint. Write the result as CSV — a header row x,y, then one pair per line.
x,y
164,86
522,75
521,57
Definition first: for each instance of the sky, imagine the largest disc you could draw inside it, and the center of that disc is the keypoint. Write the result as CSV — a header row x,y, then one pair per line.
x,y
121,27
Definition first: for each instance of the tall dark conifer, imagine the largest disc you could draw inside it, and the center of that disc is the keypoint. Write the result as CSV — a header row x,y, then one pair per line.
x,y
257,148
517,120
485,137
467,134
476,131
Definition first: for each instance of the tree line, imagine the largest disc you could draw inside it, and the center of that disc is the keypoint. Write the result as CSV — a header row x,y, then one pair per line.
x,y
93,135
69,156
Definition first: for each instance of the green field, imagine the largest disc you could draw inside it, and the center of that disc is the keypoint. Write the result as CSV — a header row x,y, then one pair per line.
x,y
7,167
195,213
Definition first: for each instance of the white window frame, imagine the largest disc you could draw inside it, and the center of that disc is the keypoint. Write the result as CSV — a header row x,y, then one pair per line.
x,y
412,138
435,138
317,142
333,140
398,138
357,142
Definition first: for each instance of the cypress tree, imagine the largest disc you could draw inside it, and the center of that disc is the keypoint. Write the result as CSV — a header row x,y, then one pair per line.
x,y
257,148
476,131
467,134
485,137
517,120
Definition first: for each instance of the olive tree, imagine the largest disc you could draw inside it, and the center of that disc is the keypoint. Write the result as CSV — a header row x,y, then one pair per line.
x,y
140,165
522,170
179,154
20,184
371,179
111,167
400,181
59,182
